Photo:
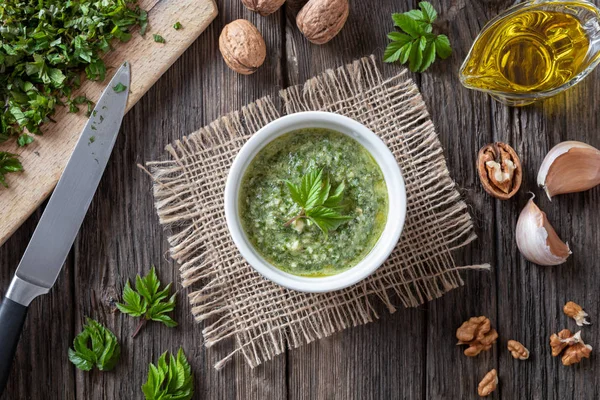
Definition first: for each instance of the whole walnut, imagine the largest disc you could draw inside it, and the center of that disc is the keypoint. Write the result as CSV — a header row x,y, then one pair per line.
x,y
242,47
263,7
321,20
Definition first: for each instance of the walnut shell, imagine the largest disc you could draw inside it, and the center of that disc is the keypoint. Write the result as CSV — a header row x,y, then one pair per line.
x,y
263,7
242,46
321,20
499,170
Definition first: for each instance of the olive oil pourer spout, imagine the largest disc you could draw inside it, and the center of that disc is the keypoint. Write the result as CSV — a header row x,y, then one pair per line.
x,y
534,50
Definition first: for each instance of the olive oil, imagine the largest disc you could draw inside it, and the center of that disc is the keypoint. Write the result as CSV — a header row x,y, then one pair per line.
x,y
532,51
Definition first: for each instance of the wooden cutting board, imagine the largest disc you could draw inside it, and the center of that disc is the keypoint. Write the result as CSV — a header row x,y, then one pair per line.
x,y
45,158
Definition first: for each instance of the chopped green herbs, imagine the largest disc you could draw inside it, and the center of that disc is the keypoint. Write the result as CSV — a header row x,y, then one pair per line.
x,y
172,380
147,301
45,46
96,346
177,26
92,139
143,21
8,163
24,140
417,45
119,87
158,38
316,201
74,103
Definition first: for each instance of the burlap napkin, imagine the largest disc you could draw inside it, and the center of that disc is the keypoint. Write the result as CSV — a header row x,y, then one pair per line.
x,y
262,317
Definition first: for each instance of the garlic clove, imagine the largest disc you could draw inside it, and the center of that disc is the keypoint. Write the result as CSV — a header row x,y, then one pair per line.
x,y
536,239
569,167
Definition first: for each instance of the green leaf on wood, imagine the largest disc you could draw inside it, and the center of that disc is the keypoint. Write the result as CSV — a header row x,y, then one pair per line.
x,y
429,13
417,45
96,346
147,301
8,163
428,56
442,46
170,379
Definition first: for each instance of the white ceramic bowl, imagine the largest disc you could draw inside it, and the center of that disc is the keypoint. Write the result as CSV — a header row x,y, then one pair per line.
x,y
391,173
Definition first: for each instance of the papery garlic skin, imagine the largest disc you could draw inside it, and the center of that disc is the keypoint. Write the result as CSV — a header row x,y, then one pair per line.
x,y
569,167
536,239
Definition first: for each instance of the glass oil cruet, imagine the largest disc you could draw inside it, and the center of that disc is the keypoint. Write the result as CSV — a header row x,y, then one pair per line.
x,y
534,50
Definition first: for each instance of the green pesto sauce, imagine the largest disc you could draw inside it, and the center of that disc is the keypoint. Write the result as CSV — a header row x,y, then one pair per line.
x,y
265,203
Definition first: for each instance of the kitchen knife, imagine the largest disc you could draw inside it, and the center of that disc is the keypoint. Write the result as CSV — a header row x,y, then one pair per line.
x,y
60,222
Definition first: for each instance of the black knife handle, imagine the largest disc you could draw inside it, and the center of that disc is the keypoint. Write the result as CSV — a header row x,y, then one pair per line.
x,y
12,318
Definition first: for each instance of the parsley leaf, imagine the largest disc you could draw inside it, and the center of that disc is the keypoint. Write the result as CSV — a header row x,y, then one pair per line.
x,y
177,26
172,380
158,38
119,87
8,163
417,45
147,301
317,203
104,352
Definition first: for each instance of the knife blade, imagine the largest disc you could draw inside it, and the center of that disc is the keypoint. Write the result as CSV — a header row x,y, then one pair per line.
x,y
56,231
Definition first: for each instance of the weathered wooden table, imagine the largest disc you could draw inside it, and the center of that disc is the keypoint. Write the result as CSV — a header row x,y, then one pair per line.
x,y
410,354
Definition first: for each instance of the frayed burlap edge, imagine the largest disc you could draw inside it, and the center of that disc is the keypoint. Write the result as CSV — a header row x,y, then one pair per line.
x,y
263,317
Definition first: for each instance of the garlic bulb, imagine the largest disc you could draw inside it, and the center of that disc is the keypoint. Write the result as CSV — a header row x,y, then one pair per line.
x,y
537,240
569,167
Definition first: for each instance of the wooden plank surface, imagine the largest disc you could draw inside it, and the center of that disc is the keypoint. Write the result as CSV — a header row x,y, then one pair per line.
x,y
407,355
44,160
